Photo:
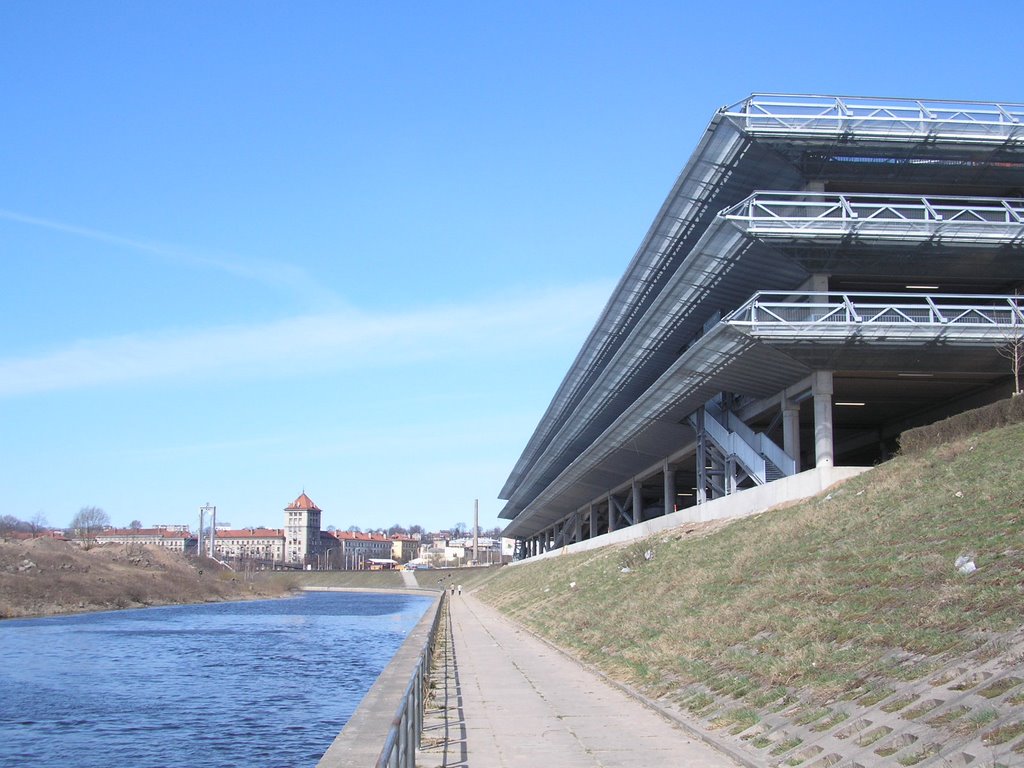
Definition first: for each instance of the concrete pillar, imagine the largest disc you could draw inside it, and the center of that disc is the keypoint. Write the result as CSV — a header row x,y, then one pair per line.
x,y
612,513
791,430
817,283
593,520
669,476
821,387
578,526
701,459
638,503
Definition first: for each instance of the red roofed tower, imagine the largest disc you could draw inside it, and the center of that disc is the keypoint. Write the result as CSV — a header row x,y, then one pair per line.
x,y
301,530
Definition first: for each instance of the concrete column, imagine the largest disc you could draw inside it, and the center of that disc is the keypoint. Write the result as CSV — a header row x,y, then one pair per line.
x,y
669,476
638,503
791,430
613,513
821,387
701,459
578,527
818,283
593,520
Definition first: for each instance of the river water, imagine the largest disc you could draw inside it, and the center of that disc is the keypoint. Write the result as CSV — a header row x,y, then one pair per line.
x,y
261,684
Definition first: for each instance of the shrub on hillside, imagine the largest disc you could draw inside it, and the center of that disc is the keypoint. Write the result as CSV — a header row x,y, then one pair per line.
x,y
1000,414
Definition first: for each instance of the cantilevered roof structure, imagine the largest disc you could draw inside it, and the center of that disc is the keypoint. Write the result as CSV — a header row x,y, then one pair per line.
x,y
834,268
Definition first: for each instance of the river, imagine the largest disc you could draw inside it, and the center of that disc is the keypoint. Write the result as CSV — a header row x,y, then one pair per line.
x,y
261,684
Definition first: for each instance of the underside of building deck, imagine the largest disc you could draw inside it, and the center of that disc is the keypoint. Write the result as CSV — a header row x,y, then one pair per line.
x,y
826,273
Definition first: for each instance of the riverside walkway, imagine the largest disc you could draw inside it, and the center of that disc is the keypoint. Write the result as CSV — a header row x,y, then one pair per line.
x,y
508,700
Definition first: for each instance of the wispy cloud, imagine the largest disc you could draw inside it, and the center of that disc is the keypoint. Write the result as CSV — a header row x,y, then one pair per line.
x,y
314,343
268,272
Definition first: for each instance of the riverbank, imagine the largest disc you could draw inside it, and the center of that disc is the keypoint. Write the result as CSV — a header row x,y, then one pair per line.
x,y
45,577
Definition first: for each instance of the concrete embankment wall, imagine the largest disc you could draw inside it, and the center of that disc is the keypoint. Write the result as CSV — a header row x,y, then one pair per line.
x,y
361,740
743,504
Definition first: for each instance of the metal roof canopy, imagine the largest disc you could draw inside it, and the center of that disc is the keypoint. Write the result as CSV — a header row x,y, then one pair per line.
x,y
710,281
714,172
761,141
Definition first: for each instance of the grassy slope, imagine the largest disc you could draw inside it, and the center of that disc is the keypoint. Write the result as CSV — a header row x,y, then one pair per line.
x,y
827,598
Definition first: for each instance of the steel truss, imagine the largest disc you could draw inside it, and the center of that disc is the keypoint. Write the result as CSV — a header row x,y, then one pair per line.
x,y
813,215
885,119
808,311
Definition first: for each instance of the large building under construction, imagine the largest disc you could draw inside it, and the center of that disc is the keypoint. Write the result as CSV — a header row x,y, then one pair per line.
x,y
826,273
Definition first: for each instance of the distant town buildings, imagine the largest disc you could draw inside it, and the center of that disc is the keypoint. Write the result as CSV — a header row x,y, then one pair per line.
x,y
176,541
301,544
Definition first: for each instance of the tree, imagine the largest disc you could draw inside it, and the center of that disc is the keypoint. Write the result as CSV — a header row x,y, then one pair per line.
x,y
354,529
415,529
135,525
87,523
1013,350
397,530
38,524
8,525
459,531
1012,346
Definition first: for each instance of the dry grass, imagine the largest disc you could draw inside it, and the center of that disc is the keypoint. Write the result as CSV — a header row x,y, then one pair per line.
x,y
46,576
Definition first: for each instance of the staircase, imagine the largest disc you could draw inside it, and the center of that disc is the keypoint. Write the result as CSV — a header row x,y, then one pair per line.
x,y
730,453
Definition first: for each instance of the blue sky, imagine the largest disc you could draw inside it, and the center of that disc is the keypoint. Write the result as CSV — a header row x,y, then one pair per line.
x,y
251,248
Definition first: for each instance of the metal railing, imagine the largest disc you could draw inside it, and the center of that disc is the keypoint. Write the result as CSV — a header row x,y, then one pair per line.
x,y
813,214
823,310
878,117
403,737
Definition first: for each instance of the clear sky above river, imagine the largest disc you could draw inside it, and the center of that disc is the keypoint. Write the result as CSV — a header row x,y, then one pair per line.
x,y
248,249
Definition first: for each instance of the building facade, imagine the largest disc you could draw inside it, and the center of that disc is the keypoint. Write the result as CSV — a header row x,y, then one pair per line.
x,y
356,550
302,531
263,545
404,548
175,541
826,273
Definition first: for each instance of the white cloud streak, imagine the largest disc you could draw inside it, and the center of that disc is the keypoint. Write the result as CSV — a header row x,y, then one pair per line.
x,y
274,273
313,344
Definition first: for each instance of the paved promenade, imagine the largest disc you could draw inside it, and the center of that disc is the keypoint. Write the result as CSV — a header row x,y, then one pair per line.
x,y
510,701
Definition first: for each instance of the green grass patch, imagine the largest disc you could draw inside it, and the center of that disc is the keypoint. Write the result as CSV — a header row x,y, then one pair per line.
x,y
999,687
948,717
786,745
897,704
1003,734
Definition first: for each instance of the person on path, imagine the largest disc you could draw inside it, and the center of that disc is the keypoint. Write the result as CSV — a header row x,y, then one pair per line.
x,y
460,590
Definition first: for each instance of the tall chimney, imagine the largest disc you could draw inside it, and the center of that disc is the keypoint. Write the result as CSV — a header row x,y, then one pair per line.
x,y
476,531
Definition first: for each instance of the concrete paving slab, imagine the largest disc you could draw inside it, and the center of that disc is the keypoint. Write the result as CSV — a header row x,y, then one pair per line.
x,y
514,702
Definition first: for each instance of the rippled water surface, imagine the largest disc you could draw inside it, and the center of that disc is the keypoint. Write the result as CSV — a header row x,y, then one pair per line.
x,y
267,683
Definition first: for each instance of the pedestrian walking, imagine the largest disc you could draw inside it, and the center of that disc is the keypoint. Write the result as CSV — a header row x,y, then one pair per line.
x,y
460,590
